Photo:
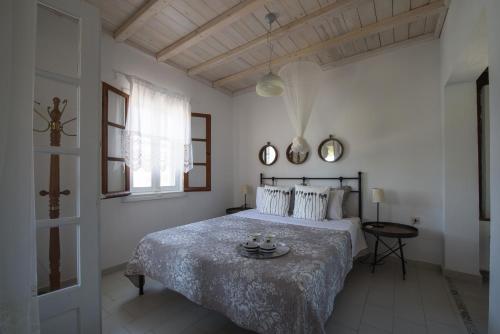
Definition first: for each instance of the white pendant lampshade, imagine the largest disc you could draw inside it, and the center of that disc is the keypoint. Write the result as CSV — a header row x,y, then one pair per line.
x,y
270,85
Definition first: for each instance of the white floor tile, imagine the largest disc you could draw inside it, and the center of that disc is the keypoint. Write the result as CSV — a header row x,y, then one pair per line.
x,y
347,314
438,328
379,303
367,329
381,297
334,328
378,317
402,326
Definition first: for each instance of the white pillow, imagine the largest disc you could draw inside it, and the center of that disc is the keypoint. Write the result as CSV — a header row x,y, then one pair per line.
x,y
311,202
335,204
259,197
274,200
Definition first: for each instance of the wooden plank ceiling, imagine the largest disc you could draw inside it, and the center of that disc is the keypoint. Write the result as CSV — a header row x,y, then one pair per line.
x,y
223,42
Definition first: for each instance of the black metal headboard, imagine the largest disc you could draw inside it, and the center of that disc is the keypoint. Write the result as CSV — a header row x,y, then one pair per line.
x,y
304,180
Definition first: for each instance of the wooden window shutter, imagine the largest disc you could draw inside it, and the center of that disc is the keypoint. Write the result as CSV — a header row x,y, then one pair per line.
x,y
199,178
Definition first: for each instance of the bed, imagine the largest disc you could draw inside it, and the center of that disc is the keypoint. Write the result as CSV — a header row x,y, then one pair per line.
x,y
291,294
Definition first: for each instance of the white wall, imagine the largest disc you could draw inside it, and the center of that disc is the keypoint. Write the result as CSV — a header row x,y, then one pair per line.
x,y
18,307
464,45
464,56
124,224
461,208
494,72
484,245
386,111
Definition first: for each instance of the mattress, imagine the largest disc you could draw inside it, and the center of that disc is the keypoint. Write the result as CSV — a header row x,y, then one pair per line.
x,y
351,225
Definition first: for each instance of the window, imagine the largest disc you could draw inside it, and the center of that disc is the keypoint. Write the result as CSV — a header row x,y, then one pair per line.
x,y
147,142
158,138
483,136
155,175
115,173
199,178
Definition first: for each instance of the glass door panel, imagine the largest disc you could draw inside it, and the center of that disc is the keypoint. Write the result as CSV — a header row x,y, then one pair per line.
x,y
65,262
46,205
55,106
57,42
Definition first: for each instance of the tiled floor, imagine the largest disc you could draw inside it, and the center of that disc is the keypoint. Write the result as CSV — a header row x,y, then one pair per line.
x,y
379,303
474,297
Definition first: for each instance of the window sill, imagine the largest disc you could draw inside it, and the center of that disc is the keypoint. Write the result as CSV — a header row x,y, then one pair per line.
x,y
137,197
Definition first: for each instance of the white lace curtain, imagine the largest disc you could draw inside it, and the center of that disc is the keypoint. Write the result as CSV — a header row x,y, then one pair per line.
x,y
302,82
158,129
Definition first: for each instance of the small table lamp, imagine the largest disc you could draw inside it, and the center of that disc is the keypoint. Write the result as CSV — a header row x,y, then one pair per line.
x,y
378,197
244,190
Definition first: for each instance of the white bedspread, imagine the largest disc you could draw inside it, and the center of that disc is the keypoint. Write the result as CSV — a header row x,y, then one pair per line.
x,y
352,225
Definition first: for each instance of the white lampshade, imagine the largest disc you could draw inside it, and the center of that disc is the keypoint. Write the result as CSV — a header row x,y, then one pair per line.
x,y
245,189
270,85
377,195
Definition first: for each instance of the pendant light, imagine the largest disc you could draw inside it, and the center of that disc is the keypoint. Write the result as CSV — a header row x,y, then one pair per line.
x,y
270,84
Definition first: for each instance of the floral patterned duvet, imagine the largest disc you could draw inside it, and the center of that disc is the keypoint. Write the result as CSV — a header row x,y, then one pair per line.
x,y
290,294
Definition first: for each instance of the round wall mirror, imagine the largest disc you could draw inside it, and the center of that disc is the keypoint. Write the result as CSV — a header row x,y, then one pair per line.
x,y
330,150
296,158
268,154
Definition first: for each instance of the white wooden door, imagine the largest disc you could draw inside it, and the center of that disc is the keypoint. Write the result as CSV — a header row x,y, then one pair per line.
x,y
67,78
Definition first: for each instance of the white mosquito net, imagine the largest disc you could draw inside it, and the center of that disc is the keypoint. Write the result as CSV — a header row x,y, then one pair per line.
x,y
302,81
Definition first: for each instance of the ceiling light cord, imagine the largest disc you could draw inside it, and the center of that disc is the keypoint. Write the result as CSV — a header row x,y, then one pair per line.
x,y
270,84
270,45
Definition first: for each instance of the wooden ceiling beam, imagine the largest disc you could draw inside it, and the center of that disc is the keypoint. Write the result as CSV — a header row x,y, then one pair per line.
x,y
139,18
330,9
382,25
219,22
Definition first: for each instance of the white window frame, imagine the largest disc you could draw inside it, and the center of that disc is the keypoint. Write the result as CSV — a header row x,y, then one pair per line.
x,y
156,188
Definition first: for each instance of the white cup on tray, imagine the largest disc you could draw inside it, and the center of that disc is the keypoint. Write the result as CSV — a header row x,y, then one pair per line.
x,y
252,243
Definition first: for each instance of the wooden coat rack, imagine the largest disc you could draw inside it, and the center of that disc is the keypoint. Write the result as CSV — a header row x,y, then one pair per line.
x,y
56,128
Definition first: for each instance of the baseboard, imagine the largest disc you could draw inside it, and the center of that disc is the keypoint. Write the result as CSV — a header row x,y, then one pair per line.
x,y
485,274
114,269
462,276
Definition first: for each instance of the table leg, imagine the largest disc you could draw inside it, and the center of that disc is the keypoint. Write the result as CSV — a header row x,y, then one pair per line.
x,y
402,258
142,281
375,255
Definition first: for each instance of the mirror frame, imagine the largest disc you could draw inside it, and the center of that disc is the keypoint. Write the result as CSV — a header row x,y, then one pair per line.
x,y
327,140
289,152
262,150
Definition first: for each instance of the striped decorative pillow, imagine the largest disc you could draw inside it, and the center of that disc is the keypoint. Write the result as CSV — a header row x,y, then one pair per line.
x,y
275,201
311,202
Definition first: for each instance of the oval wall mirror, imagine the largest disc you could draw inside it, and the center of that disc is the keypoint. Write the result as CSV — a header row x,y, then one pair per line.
x,y
296,158
330,150
268,154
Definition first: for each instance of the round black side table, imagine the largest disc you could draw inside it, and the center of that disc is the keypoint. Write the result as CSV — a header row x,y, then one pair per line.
x,y
389,230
